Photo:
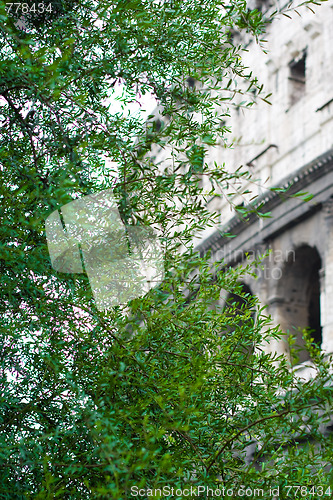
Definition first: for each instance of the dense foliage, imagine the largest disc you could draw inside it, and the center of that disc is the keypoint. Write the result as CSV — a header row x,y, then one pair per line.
x,y
169,389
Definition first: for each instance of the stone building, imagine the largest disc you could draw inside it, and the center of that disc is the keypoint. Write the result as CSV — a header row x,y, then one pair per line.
x,y
288,143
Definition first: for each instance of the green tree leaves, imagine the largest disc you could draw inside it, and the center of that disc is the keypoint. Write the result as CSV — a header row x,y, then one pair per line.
x,y
171,388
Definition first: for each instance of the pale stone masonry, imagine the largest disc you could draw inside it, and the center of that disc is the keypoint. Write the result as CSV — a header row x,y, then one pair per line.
x,y
288,142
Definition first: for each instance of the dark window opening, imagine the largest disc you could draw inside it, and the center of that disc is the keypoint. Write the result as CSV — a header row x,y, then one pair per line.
x,y
233,35
262,5
191,82
297,70
158,124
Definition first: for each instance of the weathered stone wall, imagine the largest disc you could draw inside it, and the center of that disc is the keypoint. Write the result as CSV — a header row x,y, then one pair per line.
x,y
297,132
290,141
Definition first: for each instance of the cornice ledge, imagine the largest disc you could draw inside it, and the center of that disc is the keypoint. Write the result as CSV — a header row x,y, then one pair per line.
x,y
294,183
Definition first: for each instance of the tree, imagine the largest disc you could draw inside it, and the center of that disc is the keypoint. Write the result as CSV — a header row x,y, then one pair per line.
x,y
163,390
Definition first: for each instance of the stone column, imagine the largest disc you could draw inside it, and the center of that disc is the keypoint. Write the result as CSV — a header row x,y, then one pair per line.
x,y
267,290
276,308
326,278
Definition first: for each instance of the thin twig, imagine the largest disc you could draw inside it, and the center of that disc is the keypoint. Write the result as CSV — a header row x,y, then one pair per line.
x,y
24,124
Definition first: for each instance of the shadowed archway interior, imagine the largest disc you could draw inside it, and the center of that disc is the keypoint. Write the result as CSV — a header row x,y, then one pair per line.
x,y
241,312
299,288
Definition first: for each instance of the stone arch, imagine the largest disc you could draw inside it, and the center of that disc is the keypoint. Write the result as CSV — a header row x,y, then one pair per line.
x,y
238,304
298,290
239,300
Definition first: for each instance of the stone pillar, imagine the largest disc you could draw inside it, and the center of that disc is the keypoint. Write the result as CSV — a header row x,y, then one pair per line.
x,y
267,290
326,278
276,308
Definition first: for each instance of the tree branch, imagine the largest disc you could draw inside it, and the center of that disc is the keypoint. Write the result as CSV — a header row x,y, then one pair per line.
x,y
25,126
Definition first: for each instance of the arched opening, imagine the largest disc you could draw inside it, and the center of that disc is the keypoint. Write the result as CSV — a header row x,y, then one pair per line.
x,y
299,289
239,301
240,313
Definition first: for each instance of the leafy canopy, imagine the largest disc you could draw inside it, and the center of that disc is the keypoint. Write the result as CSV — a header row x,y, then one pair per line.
x,y
165,390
